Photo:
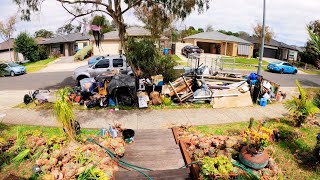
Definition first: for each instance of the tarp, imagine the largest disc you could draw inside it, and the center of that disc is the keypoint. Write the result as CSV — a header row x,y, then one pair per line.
x,y
121,80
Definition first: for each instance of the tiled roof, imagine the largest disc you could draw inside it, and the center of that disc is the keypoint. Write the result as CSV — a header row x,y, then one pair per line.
x,y
67,38
272,42
7,44
131,31
217,36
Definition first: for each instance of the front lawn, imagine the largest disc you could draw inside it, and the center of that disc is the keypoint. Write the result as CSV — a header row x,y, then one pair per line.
x,y
38,65
315,72
244,63
293,153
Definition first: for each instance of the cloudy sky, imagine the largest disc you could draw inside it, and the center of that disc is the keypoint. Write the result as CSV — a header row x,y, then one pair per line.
x,y
287,18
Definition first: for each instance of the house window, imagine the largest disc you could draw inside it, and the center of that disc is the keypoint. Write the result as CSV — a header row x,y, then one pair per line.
x,y
103,64
85,44
117,62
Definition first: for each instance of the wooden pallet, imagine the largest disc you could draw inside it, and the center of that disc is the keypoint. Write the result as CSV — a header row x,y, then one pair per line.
x,y
179,85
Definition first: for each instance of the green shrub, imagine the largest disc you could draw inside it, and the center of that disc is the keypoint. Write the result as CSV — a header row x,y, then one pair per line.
x,y
219,166
301,107
27,46
83,53
43,53
146,60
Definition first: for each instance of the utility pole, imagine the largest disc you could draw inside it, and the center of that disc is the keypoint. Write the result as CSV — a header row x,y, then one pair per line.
x,y
263,34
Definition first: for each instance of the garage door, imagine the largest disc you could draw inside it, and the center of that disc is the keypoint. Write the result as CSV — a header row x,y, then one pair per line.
x,y
243,50
270,53
106,48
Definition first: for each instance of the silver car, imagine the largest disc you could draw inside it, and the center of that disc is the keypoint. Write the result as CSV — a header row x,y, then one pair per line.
x,y
11,69
107,64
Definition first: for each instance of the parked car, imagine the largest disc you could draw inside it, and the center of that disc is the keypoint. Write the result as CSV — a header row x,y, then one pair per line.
x,y
104,65
11,69
282,67
95,59
191,50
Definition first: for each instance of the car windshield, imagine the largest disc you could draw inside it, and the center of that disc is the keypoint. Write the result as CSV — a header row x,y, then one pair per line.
x,y
277,62
12,64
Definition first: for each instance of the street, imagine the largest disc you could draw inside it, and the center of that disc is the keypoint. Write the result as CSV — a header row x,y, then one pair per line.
x,y
55,80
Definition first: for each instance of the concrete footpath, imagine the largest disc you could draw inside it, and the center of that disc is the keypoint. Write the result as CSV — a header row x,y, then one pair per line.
x,y
146,119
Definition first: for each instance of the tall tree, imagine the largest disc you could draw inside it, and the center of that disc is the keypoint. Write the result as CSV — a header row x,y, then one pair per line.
x,y
43,33
209,28
103,22
200,30
6,30
230,33
314,26
68,29
257,30
314,43
27,46
116,8
243,34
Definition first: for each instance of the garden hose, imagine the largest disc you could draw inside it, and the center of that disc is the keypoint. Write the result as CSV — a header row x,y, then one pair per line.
x,y
189,164
247,170
121,162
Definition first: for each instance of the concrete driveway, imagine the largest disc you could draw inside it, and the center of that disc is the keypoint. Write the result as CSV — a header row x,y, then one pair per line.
x,y
63,65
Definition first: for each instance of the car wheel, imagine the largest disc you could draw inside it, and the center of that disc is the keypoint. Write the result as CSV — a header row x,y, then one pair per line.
x,y
12,74
295,72
281,71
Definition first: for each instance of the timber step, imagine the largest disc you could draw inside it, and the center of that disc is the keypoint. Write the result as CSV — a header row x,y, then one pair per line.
x,y
156,150
173,174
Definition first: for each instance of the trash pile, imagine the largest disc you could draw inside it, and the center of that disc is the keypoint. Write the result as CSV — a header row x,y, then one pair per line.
x,y
198,85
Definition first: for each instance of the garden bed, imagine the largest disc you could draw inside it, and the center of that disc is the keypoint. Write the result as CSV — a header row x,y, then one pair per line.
x,y
291,157
33,149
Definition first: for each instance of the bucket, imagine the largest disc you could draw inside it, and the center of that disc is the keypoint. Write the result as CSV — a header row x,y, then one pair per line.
x,y
128,135
263,102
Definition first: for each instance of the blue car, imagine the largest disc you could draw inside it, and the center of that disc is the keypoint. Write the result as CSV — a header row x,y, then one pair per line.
x,y
282,67
11,69
95,59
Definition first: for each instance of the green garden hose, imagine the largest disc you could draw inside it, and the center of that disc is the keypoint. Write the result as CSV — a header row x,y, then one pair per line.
x,y
121,162
189,164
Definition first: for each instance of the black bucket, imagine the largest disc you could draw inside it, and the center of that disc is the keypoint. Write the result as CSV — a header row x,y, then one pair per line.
x,y
128,135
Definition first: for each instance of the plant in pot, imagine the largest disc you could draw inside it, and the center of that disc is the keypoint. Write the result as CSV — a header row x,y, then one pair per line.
x,y
215,168
253,154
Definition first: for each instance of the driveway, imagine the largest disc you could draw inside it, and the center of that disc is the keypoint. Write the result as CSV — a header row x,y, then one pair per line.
x,y
65,64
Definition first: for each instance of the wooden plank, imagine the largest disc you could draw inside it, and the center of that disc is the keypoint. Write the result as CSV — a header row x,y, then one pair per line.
x,y
159,174
224,78
150,148
175,131
159,164
194,170
155,156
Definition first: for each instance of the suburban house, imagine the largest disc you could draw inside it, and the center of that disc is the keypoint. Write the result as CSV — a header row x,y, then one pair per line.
x,y
274,49
66,45
9,55
111,41
218,43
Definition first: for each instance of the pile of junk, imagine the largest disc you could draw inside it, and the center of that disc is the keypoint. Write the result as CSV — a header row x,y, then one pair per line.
x,y
195,85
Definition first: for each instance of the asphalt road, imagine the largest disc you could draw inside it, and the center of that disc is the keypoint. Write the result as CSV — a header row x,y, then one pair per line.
x,y
55,80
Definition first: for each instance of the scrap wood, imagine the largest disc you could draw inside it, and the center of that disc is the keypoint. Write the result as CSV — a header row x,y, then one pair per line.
x,y
181,87
223,78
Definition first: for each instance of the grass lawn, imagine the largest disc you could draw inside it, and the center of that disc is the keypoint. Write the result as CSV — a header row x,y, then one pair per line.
x,y
293,155
38,65
245,63
176,58
315,72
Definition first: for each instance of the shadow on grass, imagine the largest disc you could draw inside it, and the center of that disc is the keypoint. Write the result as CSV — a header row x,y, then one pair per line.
x,y
3,127
291,140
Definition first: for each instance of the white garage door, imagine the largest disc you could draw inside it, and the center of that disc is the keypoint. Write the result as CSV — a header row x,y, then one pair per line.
x,y
243,50
107,47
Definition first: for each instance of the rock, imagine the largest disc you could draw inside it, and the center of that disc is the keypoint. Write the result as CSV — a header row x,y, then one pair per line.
x,y
229,150
203,145
221,153
215,142
211,152
231,142
198,154
192,148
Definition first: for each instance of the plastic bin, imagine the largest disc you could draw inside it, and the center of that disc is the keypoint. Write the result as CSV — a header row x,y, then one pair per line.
x,y
263,102
166,51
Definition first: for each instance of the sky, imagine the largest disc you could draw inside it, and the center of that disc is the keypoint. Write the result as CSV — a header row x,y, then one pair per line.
x,y
287,18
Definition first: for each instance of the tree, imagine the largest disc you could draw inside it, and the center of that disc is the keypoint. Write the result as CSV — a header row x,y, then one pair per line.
x,y
311,55
43,33
6,30
27,46
116,9
314,26
269,34
209,28
314,44
229,33
243,34
68,29
103,23
200,30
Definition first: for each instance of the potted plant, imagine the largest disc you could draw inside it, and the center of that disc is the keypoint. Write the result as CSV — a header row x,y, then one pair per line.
x,y
253,154
215,168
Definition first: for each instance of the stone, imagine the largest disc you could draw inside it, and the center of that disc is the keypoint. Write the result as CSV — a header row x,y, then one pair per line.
x,y
231,142
229,150
204,145
221,153
198,154
192,148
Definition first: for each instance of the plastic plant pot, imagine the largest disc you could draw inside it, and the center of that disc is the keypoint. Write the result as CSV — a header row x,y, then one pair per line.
x,y
128,135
